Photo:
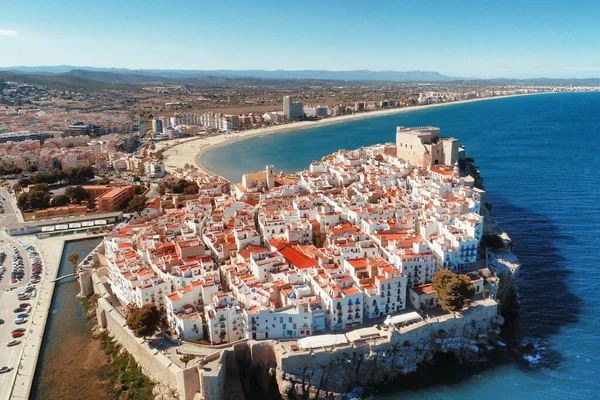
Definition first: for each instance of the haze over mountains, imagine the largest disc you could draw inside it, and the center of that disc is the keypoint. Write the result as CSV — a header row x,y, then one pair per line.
x,y
357,75
67,75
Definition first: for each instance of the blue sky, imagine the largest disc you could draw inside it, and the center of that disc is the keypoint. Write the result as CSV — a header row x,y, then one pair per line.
x,y
458,38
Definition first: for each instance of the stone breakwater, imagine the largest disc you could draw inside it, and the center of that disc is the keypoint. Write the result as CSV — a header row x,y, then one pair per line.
x,y
331,371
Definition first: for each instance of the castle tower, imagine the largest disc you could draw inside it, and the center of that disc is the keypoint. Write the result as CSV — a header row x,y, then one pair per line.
x,y
270,177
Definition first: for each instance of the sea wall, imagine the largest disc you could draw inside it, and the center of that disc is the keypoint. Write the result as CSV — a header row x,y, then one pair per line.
x,y
331,371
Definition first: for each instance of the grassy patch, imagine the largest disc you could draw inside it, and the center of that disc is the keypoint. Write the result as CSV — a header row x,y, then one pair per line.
x,y
187,358
129,381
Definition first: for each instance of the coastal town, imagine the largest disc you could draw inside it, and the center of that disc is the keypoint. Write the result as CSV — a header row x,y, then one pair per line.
x,y
224,200
355,250
354,239
344,252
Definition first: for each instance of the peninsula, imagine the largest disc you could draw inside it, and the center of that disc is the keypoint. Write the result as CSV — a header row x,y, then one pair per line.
x,y
350,273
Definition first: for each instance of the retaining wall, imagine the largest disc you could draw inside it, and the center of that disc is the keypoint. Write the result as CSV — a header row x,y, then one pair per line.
x,y
154,364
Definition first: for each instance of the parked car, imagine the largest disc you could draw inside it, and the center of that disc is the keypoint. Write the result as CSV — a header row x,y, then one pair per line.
x,y
20,321
18,310
13,342
5,369
18,334
24,305
23,315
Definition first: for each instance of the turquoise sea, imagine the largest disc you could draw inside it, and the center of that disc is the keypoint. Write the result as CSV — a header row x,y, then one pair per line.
x,y
539,156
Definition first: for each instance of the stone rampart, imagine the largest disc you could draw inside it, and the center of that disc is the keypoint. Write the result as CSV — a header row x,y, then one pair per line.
x,y
154,364
333,370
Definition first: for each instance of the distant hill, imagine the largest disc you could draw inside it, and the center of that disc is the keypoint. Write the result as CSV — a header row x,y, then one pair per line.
x,y
357,75
92,78
60,81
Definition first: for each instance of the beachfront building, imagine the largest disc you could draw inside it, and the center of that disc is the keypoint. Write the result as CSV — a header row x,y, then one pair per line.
x,y
316,111
219,121
292,110
154,169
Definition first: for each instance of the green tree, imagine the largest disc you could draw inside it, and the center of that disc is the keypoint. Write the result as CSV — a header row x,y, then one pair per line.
x,y
24,182
59,200
39,187
139,189
38,199
137,204
76,193
23,201
103,181
143,321
191,188
74,260
91,204
454,291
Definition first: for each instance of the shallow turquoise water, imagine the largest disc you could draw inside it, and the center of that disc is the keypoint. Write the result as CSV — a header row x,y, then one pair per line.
x,y
539,157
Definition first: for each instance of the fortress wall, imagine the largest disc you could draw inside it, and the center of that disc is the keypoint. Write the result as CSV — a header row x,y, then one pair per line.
x,y
335,370
212,378
153,363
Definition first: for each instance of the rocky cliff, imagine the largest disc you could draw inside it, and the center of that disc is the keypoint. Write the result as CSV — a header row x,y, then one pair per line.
x,y
328,372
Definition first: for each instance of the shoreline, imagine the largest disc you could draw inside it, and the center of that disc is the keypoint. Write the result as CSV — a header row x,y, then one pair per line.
x,y
177,157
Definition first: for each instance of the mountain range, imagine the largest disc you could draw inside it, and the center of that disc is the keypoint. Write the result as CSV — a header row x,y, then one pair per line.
x,y
357,75
71,77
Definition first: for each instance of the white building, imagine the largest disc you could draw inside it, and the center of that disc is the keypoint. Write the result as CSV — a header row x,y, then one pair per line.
x,y
292,110
224,319
154,169
283,323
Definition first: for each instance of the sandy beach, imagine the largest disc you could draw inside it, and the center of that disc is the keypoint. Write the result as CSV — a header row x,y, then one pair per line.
x,y
190,151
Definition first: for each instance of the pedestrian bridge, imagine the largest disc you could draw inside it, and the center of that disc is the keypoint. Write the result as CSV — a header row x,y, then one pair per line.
x,y
60,278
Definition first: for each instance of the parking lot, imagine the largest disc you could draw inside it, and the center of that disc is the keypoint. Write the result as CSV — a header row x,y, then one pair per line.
x,y
18,295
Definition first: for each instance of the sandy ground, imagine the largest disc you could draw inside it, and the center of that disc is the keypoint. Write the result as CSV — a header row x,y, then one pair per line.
x,y
190,151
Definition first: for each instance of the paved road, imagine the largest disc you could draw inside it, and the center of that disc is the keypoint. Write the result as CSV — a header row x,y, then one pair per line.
x,y
12,214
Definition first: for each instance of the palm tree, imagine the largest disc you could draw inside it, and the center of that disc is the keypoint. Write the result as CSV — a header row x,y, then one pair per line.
x,y
74,260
